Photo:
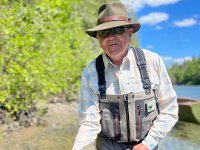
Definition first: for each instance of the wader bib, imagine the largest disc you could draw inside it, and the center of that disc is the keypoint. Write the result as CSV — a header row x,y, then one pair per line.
x,y
127,118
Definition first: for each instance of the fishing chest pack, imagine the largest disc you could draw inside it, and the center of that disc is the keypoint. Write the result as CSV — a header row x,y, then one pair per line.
x,y
127,117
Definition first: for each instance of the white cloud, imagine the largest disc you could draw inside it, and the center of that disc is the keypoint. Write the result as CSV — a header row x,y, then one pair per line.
x,y
176,60
133,5
136,5
158,27
195,16
182,60
167,58
154,18
150,47
156,3
185,22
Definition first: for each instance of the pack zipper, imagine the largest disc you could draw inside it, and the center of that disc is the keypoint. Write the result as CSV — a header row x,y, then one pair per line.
x,y
127,121
116,123
139,118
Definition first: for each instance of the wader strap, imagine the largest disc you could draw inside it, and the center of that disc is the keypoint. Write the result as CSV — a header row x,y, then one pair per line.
x,y
101,76
126,99
141,63
157,102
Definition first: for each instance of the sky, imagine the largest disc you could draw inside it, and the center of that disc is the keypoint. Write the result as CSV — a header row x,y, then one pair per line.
x,y
171,28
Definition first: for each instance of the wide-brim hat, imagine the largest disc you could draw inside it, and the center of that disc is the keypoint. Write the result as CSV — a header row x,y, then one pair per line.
x,y
113,15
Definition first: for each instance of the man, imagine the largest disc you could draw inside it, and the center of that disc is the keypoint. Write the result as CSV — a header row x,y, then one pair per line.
x,y
127,99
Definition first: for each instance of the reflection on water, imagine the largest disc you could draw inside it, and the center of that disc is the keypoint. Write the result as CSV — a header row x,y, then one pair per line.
x,y
187,131
173,143
184,136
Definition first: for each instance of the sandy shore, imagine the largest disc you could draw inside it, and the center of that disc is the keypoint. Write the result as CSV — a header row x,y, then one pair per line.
x,y
55,130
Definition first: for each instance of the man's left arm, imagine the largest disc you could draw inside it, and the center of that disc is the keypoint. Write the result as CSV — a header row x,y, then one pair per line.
x,y
168,109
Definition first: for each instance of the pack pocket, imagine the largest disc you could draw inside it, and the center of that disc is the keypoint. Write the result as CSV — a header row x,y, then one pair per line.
x,y
149,107
110,120
150,114
145,114
139,115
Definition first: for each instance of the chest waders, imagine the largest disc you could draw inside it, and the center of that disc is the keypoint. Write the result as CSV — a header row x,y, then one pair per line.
x,y
127,118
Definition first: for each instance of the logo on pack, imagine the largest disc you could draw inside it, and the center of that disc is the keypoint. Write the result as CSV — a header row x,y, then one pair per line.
x,y
150,106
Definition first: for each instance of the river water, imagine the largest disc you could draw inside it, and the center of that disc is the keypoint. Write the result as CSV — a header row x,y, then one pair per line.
x,y
184,136
188,91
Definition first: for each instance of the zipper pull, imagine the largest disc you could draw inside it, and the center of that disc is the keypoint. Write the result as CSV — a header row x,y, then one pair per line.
x,y
139,123
116,123
138,108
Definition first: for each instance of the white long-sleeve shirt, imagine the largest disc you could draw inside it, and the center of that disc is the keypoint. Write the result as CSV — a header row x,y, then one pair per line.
x,y
122,80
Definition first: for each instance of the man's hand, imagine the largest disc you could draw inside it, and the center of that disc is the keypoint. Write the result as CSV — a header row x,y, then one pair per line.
x,y
140,147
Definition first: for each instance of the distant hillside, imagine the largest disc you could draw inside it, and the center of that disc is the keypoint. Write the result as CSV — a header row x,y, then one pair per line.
x,y
187,73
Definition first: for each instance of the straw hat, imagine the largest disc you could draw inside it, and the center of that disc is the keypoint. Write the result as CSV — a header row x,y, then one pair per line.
x,y
110,16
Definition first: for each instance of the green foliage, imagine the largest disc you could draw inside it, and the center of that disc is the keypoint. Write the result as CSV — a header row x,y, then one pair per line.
x,y
43,50
187,73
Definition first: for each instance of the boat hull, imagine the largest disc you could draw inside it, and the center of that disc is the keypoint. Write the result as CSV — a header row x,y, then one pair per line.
x,y
189,110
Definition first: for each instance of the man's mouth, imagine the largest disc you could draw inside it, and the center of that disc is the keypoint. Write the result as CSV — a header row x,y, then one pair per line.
x,y
112,44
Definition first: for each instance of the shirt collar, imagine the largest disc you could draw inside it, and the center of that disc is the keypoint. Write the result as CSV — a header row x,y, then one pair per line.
x,y
107,61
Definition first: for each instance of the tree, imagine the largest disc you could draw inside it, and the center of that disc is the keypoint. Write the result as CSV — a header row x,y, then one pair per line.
x,y
186,73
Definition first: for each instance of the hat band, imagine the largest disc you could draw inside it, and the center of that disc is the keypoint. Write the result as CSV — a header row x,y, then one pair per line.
x,y
113,18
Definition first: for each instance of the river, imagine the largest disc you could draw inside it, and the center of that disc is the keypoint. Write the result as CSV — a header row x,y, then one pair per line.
x,y
184,136
188,91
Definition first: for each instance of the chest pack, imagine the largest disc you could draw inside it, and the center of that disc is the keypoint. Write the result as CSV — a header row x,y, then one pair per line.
x,y
127,117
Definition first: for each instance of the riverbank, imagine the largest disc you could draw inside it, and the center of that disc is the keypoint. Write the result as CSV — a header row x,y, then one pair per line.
x,y
55,130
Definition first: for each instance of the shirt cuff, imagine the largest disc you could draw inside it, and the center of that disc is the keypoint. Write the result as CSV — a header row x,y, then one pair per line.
x,y
150,142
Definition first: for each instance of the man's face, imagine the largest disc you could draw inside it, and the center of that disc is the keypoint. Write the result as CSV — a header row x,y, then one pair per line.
x,y
115,42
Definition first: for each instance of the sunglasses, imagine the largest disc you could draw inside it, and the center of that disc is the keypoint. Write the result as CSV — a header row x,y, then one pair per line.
x,y
113,31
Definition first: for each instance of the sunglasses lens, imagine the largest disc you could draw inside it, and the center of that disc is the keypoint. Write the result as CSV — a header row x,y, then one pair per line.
x,y
119,30
114,31
103,33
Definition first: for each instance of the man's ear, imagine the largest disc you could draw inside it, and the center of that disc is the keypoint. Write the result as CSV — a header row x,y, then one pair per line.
x,y
130,31
130,38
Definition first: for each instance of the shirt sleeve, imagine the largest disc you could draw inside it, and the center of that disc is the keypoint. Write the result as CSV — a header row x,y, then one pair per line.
x,y
89,115
168,109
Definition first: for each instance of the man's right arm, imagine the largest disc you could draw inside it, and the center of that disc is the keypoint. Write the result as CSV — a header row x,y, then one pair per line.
x,y
89,115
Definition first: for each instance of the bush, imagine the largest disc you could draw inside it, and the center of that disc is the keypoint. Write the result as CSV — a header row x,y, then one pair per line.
x,y
43,49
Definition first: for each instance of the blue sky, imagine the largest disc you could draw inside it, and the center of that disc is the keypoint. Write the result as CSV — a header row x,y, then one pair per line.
x,y
170,28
